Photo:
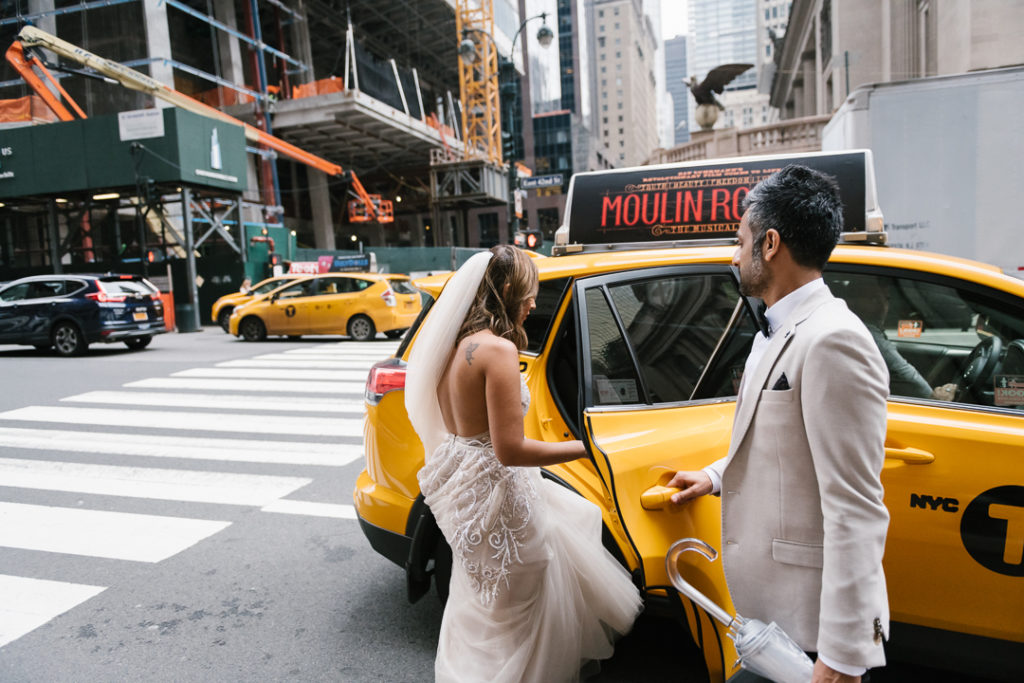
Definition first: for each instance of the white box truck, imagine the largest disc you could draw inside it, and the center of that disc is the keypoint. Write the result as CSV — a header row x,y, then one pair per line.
x,y
949,161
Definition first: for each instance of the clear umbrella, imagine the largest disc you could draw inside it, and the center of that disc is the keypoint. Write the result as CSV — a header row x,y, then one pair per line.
x,y
764,649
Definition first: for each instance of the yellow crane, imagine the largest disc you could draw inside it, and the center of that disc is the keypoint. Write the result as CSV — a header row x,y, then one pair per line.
x,y
478,79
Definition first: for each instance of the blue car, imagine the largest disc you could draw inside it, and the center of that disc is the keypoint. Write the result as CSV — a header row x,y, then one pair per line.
x,y
69,312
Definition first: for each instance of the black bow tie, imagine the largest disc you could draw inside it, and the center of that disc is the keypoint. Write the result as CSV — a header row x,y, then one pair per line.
x,y
759,317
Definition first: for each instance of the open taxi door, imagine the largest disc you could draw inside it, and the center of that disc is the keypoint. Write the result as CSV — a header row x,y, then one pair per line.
x,y
661,352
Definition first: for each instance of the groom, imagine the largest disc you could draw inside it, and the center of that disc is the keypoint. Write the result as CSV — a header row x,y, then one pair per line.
x,y
803,525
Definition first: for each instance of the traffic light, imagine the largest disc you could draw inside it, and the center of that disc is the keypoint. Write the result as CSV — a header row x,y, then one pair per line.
x,y
275,259
508,146
529,239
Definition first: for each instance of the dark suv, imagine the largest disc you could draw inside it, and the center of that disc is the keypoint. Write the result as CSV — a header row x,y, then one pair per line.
x,y
69,312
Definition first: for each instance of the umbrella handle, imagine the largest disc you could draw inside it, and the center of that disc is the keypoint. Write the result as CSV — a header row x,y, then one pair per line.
x,y
681,585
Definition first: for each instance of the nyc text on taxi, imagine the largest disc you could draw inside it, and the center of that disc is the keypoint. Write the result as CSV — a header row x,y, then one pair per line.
x,y
355,304
637,348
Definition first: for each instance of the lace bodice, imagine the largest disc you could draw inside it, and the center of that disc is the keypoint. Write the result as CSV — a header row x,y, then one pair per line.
x,y
483,507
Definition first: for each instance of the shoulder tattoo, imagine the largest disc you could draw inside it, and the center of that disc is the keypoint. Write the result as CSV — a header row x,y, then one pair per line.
x,y
470,348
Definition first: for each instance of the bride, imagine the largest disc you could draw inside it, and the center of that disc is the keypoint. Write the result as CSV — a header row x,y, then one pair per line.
x,y
534,595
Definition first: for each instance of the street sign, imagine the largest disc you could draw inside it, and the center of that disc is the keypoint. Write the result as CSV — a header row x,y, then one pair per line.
x,y
552,180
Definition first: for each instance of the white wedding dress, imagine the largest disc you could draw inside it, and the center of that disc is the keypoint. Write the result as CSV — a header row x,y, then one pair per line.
x,y
534,595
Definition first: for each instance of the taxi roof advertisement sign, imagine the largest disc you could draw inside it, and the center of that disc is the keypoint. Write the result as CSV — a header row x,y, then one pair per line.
x,y
694,201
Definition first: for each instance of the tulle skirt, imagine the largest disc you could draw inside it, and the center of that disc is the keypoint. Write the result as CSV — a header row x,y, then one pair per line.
x,y
562,599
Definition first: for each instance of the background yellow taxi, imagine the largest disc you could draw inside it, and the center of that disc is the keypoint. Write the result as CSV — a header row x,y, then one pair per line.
x,y
355,304
225,305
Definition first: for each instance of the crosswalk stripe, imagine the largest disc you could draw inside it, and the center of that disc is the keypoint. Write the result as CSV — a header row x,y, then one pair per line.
x,y
191,486
26,604
300,507
268,386
275,373
229,401
185,447
97,533
342,353
216,422
297,362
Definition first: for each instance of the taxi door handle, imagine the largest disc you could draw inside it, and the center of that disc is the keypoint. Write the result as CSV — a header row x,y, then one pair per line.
x,y
657,497
911,456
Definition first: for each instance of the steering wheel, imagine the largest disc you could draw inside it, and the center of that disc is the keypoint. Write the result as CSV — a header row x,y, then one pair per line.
x,y
979,366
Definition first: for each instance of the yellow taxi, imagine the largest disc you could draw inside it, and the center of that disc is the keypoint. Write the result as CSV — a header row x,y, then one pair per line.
x,y
222,307
638,351
355,304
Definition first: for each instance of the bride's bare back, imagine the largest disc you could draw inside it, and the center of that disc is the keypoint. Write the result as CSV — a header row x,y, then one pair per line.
x,y
462,391
480,392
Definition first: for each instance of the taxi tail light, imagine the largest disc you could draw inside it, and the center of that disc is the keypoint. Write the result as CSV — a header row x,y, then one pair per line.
x,y
387,375
389,297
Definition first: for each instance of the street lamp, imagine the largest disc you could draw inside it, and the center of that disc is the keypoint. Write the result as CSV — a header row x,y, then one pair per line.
x,y
467,53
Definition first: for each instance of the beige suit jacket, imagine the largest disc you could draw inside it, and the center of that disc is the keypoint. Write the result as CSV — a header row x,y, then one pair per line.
x,y
803,522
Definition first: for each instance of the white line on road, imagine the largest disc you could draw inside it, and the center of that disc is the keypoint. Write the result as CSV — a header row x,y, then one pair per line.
x,y
191,486
342,353
299,507
275,373
269,386
26,604
96,533
284,361
188,447
223,401
214,422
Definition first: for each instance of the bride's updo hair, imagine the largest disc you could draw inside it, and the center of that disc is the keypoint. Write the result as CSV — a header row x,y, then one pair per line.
x,y
495,307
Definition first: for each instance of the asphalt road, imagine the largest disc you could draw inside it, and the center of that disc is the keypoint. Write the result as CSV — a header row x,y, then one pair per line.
x,y
96,584
183,513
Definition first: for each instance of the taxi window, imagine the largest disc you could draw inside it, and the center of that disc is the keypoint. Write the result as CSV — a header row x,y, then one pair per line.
x,y
402,286
549,296
301,288
358,284
686,338
613,373
331,285
941,340
268,286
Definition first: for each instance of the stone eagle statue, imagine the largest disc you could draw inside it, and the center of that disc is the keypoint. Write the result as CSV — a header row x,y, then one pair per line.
x,y
715,82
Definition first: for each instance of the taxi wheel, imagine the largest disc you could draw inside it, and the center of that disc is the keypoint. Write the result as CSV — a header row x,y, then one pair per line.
x,y
252,329
137,343
68,339
361,328
224,318
394,334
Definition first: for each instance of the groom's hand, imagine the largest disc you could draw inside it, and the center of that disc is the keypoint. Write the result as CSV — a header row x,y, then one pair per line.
x,y
691,485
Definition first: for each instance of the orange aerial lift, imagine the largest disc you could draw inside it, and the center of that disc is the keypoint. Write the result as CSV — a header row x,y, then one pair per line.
x,y
372,207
